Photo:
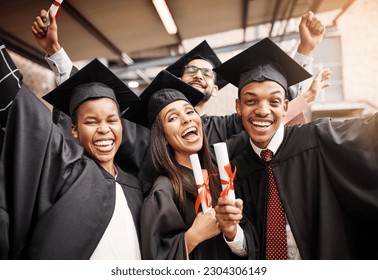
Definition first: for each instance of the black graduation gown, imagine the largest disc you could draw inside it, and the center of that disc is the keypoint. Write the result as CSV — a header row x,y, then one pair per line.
x,y
327,178
163,228
10,83
2,133
221,128
59,201
4,217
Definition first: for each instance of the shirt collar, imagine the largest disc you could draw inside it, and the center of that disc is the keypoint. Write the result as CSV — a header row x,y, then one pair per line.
x,y
274,143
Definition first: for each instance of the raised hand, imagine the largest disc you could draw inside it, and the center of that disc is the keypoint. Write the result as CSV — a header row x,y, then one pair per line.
x,y
46,36
311,32
317,85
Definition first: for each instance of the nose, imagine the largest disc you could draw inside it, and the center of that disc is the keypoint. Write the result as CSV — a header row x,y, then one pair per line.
x,y
186,118
198,74
262,109
103,128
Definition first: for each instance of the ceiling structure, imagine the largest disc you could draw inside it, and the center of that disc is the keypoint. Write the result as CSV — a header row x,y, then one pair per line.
x,y
118,30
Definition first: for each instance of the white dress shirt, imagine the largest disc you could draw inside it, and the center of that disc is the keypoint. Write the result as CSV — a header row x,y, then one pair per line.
x,y
120,239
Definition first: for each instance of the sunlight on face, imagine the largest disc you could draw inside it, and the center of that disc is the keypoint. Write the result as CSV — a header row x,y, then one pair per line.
x,y
262,106
200,81
182,128
99,129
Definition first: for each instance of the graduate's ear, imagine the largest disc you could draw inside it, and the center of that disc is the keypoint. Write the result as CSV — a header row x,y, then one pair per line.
x,y
285,107
214,91
74,132
237,106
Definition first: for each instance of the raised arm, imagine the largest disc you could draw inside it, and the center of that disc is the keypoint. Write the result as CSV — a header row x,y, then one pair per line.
x,y
47,38
311,33
299,104
34,157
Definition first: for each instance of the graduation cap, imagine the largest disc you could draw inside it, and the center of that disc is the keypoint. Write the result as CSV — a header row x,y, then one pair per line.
x,y
94,80
202,51
10,82
163,90
262,61
10,76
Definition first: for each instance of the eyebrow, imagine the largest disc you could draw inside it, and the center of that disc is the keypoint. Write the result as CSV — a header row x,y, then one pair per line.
x,y
210,66
255,94
175,109
94,117
89,117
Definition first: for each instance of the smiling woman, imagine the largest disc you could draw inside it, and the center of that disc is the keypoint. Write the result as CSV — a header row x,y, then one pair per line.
x,y
66,200
99,130
170,228
182,129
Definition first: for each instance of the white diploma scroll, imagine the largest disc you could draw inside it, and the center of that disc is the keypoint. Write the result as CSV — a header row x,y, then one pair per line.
x,y
198,177
221,154
55,9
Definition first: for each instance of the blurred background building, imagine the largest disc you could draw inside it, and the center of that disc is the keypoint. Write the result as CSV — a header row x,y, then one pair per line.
x,y
130,37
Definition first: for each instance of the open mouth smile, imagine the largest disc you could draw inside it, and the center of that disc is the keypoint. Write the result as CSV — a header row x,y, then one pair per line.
x,y
190,134
104,145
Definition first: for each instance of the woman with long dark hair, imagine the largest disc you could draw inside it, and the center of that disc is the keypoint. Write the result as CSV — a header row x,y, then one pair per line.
x,y
170,228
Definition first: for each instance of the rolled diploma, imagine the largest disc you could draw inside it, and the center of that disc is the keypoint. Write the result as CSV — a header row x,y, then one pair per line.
x,y
55,9
221,154
198,177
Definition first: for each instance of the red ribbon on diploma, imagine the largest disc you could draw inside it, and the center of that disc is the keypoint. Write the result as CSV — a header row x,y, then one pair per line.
x,y
230,183
57,4
205,192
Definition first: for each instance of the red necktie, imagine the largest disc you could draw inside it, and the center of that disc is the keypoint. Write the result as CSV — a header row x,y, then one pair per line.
x,y
276,241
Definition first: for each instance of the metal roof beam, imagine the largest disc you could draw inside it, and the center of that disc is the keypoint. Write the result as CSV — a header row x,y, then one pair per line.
x,y
83,21
22,48
274,16
245,8
164,61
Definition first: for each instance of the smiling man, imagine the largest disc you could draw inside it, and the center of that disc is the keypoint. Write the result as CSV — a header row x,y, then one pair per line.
x,y
263,108
321,176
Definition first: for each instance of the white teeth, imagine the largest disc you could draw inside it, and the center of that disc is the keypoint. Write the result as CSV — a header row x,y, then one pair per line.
x,y
260,123
190,129
104,143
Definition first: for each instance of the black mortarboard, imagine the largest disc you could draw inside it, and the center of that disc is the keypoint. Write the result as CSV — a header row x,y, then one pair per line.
x,y
163,90
10,82
202,51
262,61
94,80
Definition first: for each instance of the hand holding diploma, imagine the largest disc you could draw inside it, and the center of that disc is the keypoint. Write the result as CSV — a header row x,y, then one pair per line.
x,y
54,8
229,214
46,36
